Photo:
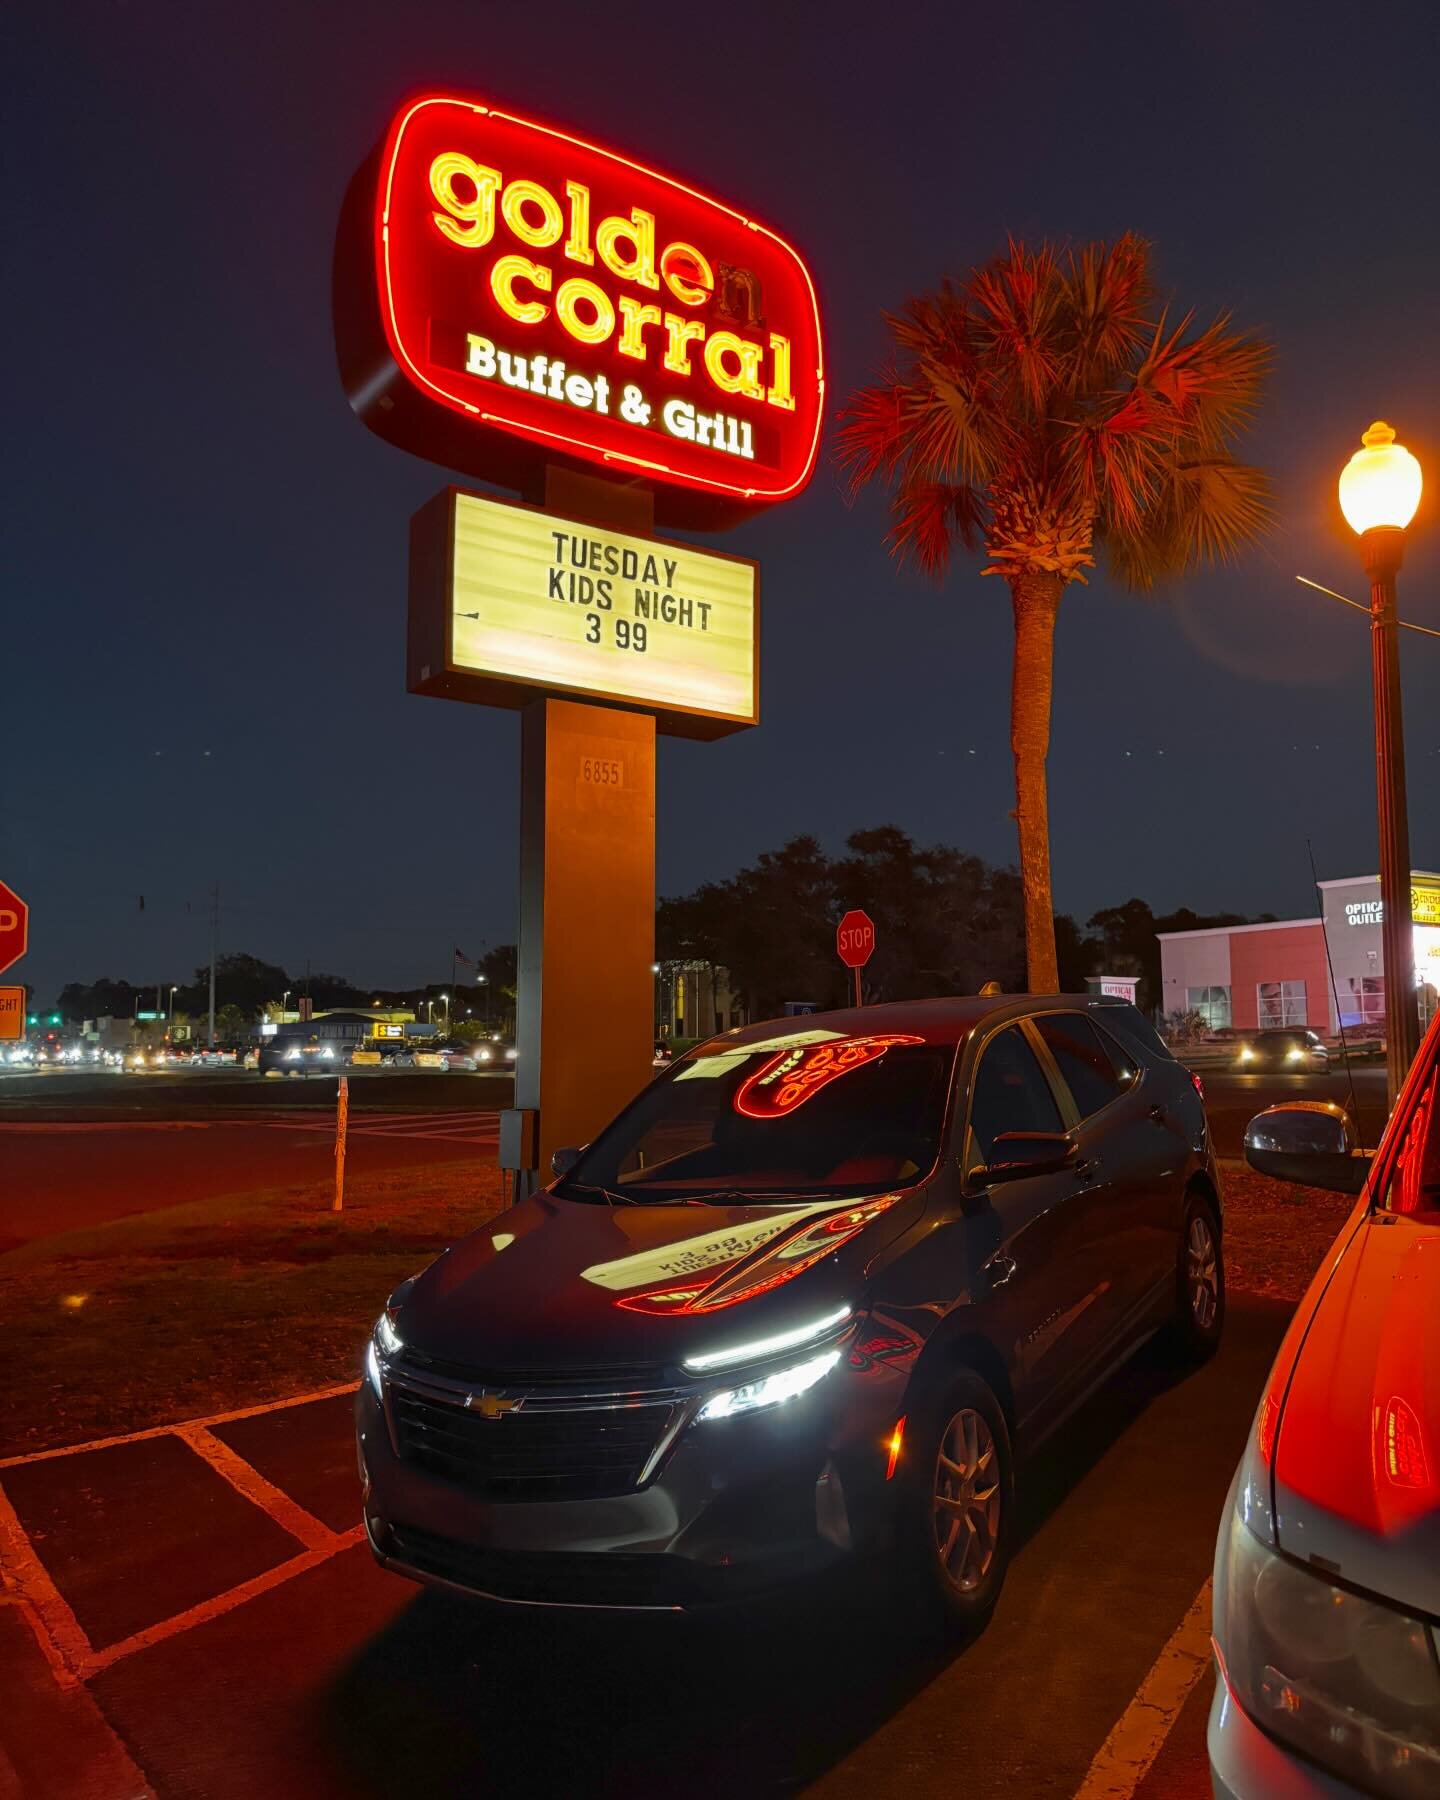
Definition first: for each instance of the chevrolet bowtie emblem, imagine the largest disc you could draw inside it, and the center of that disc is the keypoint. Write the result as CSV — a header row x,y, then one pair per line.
x,y
491,1406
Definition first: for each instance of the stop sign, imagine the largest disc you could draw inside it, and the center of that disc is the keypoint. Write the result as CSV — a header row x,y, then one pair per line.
x,y
855,939
14,927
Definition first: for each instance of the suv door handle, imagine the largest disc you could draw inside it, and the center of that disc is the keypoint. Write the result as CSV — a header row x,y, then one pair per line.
x,y
999,1267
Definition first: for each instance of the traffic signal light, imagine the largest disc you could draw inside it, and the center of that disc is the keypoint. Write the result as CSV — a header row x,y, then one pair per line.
x,y
33,1019
54,1018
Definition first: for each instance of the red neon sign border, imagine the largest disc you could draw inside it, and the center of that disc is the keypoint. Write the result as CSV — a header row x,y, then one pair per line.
x,y
581,446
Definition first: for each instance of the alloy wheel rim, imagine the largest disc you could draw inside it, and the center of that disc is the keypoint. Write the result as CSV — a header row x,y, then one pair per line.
x,y
966,1506
1200,1271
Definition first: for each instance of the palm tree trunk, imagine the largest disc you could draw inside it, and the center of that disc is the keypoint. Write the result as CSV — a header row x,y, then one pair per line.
x,y
1035,597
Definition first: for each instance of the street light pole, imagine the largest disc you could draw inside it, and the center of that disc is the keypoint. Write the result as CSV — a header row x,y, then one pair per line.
x,y
1379,492
1381,549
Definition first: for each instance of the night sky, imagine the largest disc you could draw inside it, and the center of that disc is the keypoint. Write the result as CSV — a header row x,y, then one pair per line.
x,y
205,552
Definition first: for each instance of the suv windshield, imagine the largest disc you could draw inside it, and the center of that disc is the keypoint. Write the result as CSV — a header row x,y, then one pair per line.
x,y
808,1113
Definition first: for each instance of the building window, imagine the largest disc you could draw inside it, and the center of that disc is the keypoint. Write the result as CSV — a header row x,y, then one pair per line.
x,y
1212,1004
1281,1003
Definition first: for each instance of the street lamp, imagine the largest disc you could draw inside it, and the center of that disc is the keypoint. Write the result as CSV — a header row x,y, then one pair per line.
x,y
284,999
1379,492
446,999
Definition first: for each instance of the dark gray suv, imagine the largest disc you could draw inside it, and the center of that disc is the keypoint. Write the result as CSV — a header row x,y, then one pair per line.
x,y
811,1295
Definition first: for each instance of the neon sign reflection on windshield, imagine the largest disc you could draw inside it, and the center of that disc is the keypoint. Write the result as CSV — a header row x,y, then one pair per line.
x,y
789,1079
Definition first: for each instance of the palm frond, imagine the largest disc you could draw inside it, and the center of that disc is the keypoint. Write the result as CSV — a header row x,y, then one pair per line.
x,y
1207,511
927,516
1109,292
1221,507
873,435
1017,301
1209,383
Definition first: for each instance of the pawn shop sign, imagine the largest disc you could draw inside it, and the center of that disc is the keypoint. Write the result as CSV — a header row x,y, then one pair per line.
x,y
855,939
14,926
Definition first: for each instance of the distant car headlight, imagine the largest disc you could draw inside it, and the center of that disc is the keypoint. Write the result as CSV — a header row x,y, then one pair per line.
x,y
1295,1055
483,1055
509,1056
1246,1054
292,1056
770,1390
1350,1683
326,1051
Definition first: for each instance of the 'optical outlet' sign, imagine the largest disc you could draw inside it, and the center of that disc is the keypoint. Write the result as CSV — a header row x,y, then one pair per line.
x,y
590,307
506,600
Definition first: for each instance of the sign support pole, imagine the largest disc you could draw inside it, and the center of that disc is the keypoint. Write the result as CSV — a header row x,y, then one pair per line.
x,y
584,1002
858,1000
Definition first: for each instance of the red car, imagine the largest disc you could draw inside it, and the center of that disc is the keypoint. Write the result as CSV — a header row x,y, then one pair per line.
x,y
1327,1570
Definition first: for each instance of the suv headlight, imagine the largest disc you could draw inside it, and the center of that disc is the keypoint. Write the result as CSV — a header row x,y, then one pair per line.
x,y
1350,1683
770,1390
385,1342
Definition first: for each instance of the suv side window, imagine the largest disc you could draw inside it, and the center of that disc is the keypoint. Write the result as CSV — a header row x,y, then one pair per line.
x,y
1085,1063
1010,1093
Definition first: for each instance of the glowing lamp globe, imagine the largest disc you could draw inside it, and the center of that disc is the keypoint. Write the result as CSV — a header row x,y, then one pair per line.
x,y
1380,485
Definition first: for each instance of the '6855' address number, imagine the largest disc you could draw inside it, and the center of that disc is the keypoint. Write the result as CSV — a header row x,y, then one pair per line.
x,y
602,771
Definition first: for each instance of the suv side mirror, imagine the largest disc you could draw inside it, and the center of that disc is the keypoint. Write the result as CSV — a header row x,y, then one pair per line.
x,y
1309,1141
1016,1154
563,1161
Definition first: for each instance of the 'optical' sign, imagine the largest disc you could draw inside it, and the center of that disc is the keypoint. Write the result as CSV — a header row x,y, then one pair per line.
x,y
506,600
589,306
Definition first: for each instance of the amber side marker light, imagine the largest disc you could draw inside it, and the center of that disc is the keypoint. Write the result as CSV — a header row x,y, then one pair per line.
x,y
897,1438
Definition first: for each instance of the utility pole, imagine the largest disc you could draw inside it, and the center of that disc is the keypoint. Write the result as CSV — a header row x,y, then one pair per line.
x,y
214,934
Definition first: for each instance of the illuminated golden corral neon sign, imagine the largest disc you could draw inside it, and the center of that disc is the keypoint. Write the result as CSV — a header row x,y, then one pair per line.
x,y
529,280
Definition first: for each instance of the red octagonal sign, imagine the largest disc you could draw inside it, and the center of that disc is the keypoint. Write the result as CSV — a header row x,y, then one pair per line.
x,y
855,939
14,927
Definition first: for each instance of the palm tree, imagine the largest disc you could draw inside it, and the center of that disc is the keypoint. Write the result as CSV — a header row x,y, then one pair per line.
x,y
1048,408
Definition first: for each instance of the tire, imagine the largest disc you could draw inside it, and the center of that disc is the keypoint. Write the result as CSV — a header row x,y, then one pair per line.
x,y
1199,1317
962,1441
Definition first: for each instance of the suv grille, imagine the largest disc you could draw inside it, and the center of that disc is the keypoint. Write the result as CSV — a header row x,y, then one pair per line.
x,y
550,1453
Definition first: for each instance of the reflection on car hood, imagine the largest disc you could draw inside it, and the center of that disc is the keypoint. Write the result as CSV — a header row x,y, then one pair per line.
x,y
1357,1457
558,1284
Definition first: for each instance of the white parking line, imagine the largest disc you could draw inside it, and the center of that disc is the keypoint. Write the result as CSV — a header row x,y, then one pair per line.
x,y
62,1639
1124,1759
304,1527
58,1632
154,1431
221,1604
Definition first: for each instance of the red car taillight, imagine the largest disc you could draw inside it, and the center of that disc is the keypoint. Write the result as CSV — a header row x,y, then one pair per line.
x,y
1198,1084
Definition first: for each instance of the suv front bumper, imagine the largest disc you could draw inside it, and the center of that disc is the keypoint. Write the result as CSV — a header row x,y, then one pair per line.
x,y
735,1506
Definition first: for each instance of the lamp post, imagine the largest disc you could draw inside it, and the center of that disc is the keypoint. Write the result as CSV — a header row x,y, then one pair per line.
x,y
1379,492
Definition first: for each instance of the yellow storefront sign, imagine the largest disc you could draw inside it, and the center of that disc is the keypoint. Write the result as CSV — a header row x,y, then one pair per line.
x,y
1425,905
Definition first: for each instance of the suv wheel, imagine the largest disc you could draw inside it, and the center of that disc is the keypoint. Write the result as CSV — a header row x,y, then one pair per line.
x,y
958,1507
1199,1283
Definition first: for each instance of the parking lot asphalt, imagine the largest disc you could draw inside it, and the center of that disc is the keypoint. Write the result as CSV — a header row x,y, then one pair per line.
x,y
199,1599
1232,1099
